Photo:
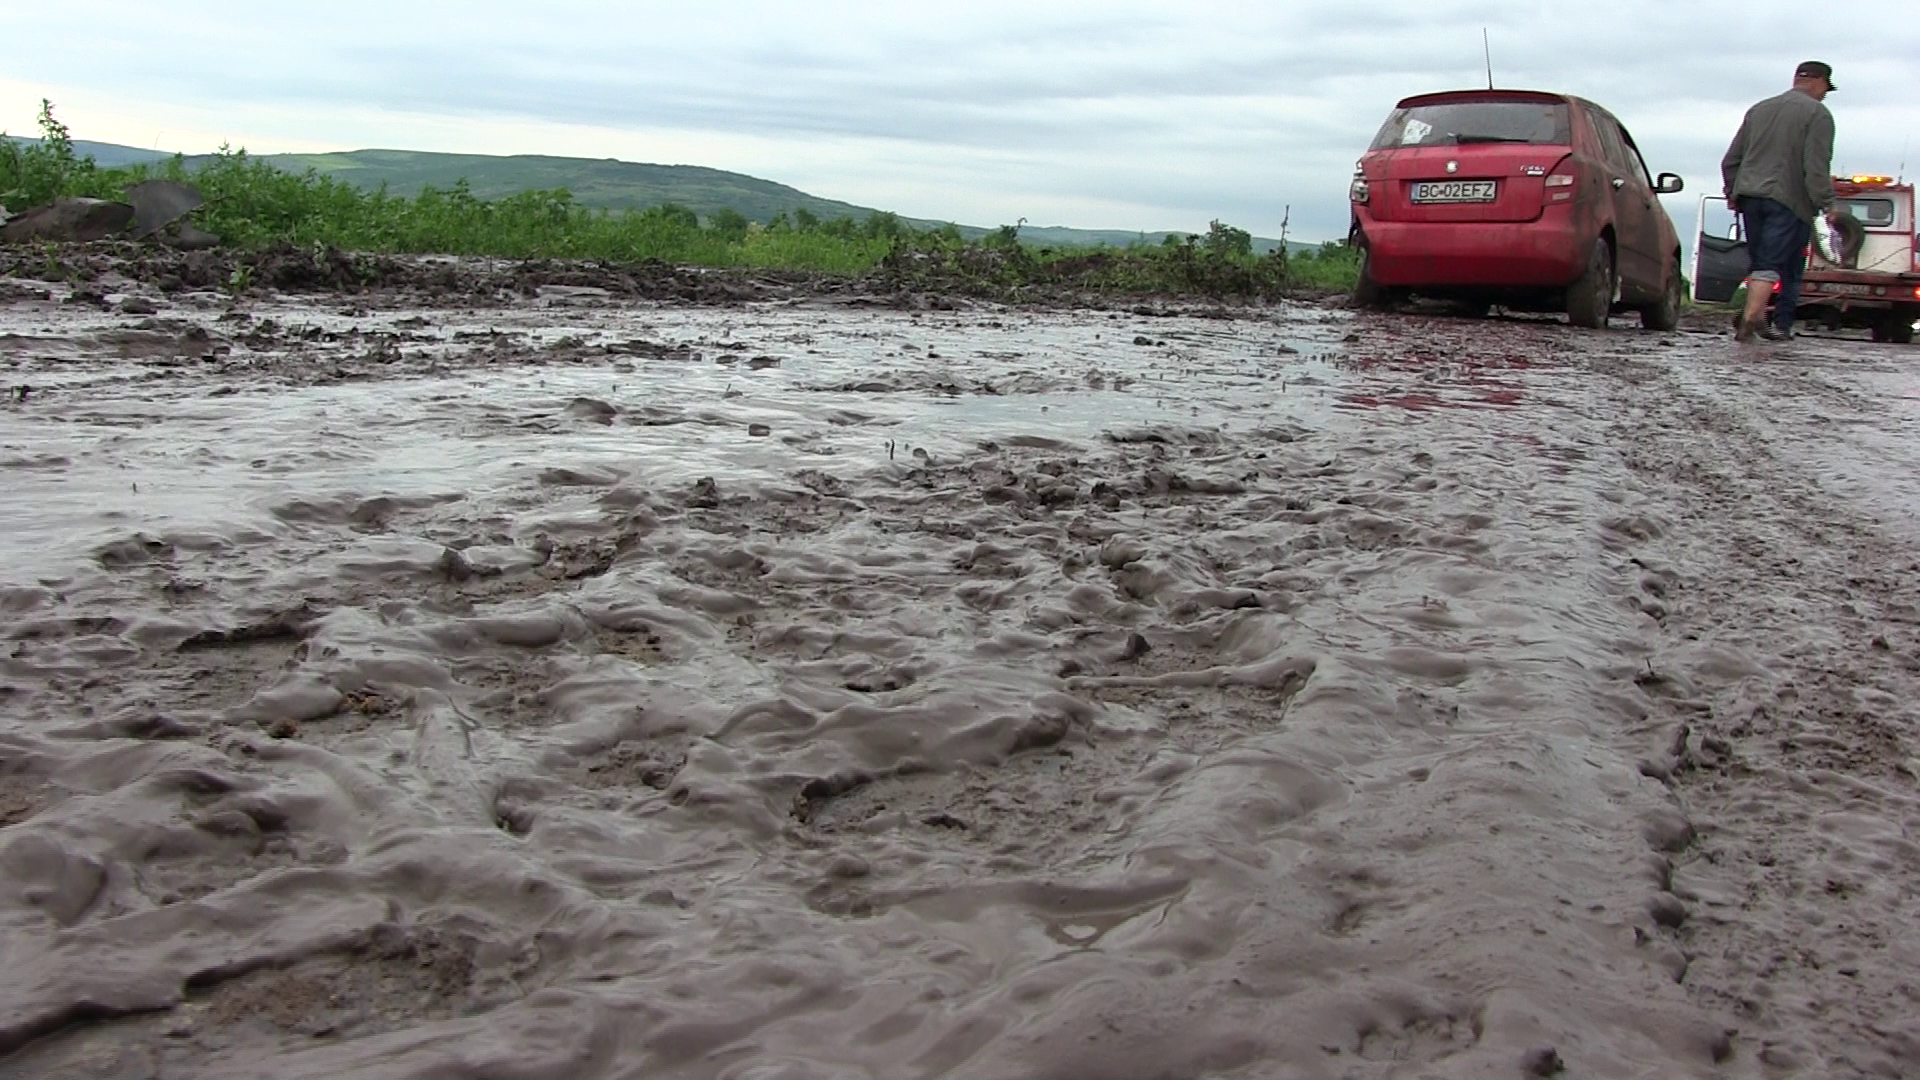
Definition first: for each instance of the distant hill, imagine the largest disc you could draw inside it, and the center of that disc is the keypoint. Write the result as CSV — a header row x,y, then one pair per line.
x,y
604,182
113,155
110,155
609,183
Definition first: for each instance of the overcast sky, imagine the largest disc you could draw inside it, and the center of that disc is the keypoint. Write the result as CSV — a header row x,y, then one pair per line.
x,y
1114,114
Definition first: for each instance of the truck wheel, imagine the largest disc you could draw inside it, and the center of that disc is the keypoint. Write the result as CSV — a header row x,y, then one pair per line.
x,y
1665,315
1897,327
1368,293
1589,297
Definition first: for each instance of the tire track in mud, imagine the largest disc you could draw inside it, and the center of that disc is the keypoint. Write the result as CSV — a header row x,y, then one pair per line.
x,y
1784,649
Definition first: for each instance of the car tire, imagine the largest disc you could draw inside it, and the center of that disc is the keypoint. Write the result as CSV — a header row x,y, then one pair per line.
x,y
1591,296
1368,294
1665,315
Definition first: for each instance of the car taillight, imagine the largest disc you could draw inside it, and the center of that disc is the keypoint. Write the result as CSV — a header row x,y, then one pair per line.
x,y
1357,191
1561,180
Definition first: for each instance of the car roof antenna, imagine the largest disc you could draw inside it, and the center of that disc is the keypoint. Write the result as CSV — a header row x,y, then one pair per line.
x,y
1489,51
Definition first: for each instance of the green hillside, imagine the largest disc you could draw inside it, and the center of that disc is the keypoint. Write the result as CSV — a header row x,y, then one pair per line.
x,y
604,182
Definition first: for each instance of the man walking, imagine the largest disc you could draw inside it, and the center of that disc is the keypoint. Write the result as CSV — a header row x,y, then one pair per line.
x,y
1778,174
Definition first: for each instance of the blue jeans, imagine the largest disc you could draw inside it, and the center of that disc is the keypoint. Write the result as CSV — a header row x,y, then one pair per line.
x,y
1776,251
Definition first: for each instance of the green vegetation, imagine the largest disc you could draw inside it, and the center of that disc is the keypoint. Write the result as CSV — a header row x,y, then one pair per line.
x,y
34,173
253,204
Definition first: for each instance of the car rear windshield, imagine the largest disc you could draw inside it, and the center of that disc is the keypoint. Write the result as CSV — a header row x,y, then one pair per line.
x,y
1455,122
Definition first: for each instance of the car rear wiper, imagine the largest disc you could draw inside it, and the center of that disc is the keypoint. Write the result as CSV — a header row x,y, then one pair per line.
x,y
1488,138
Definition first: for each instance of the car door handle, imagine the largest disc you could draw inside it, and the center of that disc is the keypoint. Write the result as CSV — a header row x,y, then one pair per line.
x,y
1618,183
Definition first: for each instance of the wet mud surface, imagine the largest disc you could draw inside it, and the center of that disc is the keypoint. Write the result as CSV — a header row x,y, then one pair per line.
x,y
576,682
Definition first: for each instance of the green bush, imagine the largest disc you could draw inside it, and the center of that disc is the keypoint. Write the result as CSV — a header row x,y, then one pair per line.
x,y
35,173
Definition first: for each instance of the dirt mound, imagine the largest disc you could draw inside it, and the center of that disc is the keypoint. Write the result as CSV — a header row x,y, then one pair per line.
x,y
320,268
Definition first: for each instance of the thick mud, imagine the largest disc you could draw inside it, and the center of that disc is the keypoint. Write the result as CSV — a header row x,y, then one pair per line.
x,y
574,682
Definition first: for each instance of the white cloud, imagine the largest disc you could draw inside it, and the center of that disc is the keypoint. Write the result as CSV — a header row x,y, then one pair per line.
x,y
1109,115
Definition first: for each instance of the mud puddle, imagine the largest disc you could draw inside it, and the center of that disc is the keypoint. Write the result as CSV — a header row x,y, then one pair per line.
x,y
583,687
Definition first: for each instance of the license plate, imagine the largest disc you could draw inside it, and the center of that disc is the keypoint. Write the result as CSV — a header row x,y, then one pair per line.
x,y
1847,287
1445,191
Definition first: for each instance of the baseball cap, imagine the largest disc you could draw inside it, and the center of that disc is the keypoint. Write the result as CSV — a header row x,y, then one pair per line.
x,y
1814,69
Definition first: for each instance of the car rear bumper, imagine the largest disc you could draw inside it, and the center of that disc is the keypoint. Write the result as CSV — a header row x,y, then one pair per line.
x,y
1532,254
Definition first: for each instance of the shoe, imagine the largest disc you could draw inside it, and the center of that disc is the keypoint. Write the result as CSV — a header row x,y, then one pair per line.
x,y
1774,333
1745,331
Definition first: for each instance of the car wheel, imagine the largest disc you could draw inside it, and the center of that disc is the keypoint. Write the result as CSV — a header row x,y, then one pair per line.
x,y
1665,315
1589,297
1368,293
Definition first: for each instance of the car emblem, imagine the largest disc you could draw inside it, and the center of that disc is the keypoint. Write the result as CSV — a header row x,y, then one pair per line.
x,y
1453,166
1533,170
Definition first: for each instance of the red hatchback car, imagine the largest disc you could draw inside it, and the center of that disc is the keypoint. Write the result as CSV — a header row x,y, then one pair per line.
x,y
1539,202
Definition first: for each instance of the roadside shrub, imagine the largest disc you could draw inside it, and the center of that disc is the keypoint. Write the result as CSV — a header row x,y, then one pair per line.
x,y
728,223
34,173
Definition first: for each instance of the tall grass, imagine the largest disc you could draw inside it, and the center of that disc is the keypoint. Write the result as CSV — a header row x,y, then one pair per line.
x,y
251,204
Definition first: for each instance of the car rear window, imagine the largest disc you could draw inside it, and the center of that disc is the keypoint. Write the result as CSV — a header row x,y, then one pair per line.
x,y
1455,122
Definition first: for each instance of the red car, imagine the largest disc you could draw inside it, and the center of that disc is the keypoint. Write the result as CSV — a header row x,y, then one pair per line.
x,y
1539,202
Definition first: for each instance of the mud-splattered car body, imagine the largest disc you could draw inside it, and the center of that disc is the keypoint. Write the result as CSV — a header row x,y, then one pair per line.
x,y
1534,200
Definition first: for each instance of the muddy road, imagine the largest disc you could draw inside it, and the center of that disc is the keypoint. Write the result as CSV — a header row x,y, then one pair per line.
x,y
563,684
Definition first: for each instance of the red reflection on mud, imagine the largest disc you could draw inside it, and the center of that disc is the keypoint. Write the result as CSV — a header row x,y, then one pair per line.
x,y
1455,369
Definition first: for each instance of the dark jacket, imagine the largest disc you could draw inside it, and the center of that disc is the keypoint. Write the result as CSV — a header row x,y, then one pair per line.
x,y
1784,152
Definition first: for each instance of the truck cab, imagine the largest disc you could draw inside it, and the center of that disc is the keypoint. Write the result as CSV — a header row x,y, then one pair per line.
x,y
1871,281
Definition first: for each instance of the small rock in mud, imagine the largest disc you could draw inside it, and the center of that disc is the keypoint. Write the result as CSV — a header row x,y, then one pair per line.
x,y
759,430
1667,830
1115,554
845,865
759,362
1667,910
136,305
454,566
592,410
1543,1061
1722,1045
705,494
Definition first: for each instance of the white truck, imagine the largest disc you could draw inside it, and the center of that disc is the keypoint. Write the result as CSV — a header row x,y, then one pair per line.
x,y
1874,283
